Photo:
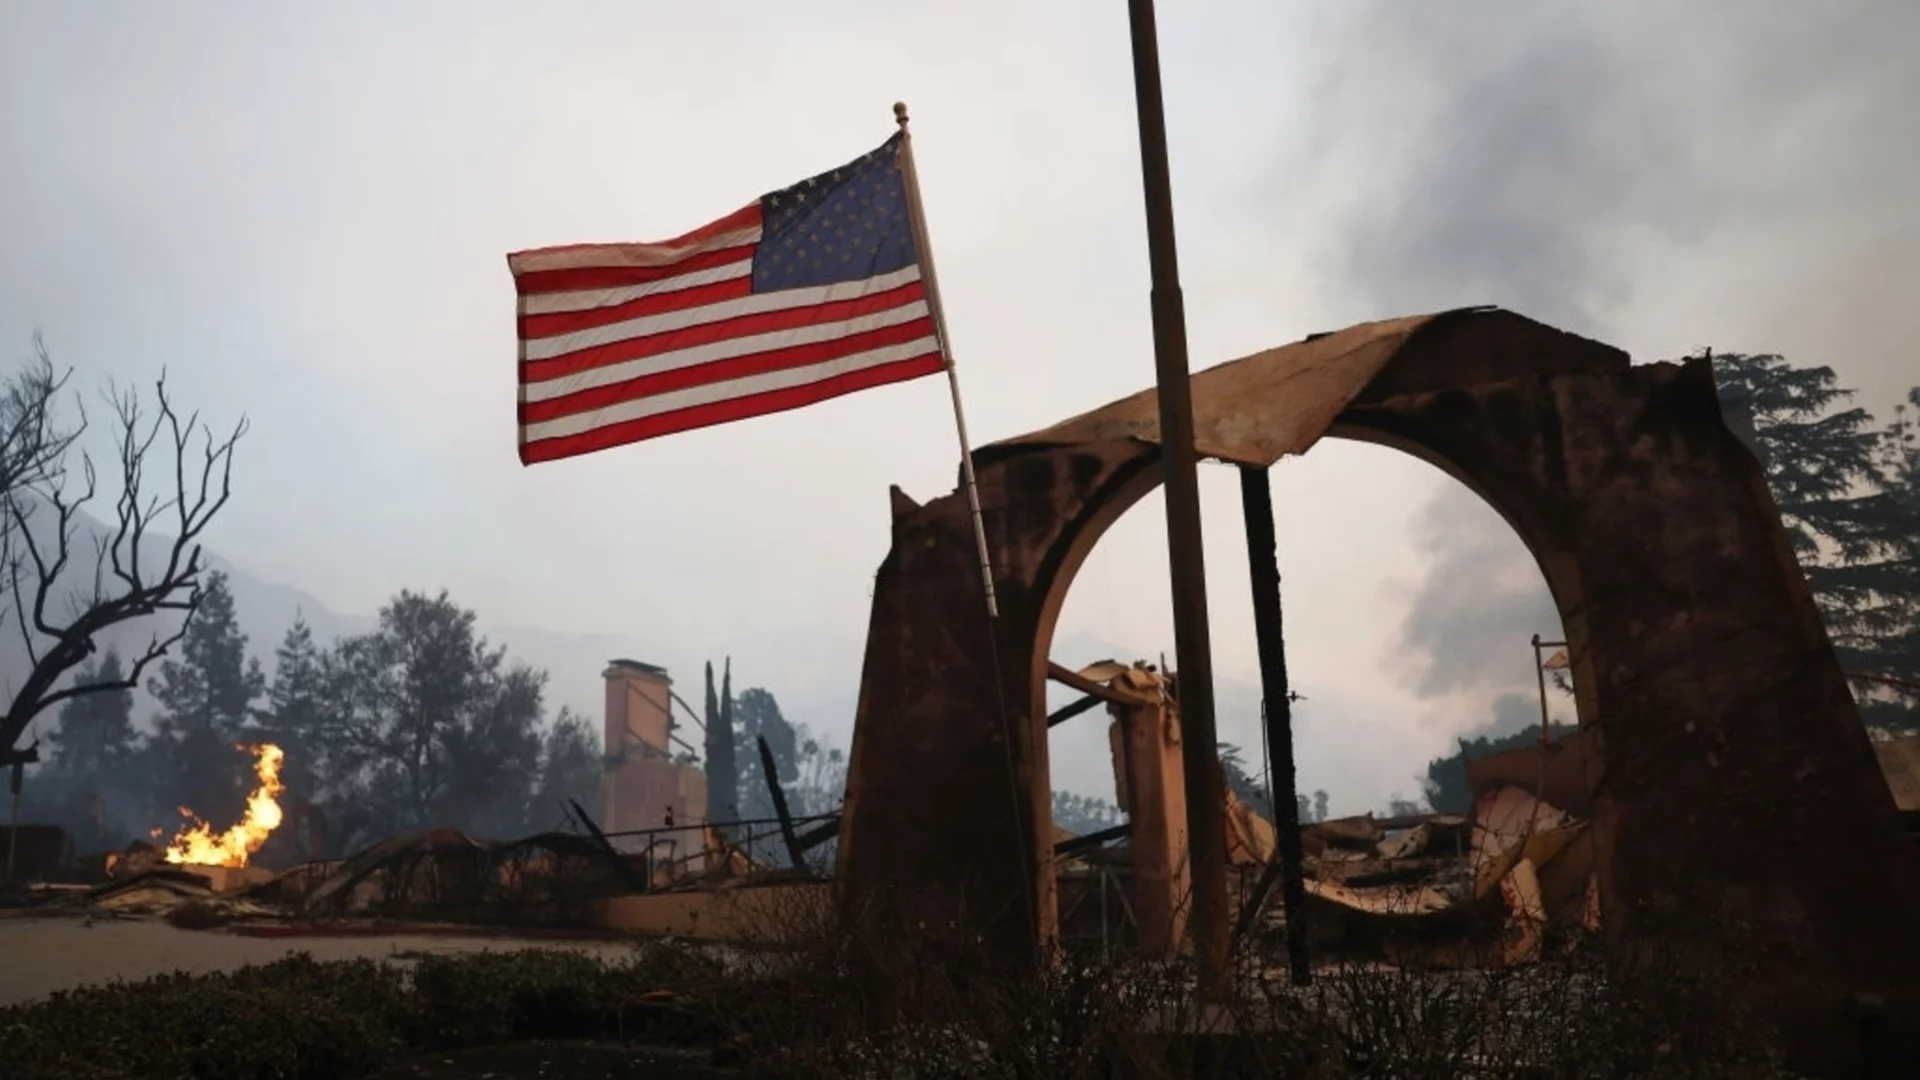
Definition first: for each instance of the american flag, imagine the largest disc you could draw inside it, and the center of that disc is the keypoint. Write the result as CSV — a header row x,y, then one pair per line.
x,y
812,292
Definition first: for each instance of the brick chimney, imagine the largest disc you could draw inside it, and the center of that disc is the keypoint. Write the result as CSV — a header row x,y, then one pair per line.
x,y
637,721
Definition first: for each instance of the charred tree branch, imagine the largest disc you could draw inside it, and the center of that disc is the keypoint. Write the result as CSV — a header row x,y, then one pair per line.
x,y
123,588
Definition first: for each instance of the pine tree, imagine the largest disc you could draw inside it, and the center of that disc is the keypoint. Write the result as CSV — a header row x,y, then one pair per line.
x,y
96,740
1845,494
293,699
1891,645
292,719
570,765
757,716
723,774
1245,787
96,750
206,698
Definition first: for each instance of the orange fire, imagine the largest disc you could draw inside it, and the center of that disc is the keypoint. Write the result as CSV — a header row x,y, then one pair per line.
x,y
197,844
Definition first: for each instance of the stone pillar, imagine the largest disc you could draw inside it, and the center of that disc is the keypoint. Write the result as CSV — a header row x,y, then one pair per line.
x,y
1152,791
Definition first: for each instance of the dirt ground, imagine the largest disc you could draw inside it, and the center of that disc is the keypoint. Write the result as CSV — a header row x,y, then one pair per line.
x,y
42,955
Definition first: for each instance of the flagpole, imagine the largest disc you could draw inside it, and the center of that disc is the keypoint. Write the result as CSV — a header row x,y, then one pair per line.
x,y
916,218
1192,646
917,221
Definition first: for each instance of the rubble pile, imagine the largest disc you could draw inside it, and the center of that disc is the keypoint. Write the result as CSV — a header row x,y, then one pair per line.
x,y
443,875
1452,890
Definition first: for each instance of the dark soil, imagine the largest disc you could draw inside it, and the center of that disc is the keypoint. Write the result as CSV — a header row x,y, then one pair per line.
x,y
558,1060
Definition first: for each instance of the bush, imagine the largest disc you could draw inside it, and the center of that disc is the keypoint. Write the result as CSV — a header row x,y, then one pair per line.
x,y
300,1019
818,1010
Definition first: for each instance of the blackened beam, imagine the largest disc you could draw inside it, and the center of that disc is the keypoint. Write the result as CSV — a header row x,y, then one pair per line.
x,y
818,835
1885,680
1092,839
1068,712
1263,567
1256,900
620,865
772,774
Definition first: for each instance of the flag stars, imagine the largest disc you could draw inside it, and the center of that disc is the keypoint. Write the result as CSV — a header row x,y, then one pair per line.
x,y
841,225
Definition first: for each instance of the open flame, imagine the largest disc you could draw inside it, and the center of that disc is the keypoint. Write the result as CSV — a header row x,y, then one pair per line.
x,y
196,842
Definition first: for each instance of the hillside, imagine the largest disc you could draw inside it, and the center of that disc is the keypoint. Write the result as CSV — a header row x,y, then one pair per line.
x,y
814,676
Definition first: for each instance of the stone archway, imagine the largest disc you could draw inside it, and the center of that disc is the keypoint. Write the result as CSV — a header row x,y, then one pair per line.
x,y
1739,786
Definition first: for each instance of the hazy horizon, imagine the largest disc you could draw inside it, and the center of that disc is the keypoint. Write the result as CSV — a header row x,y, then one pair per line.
x,y
302,214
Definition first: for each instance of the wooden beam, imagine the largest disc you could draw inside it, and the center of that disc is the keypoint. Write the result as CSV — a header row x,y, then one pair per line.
x,y
1263,564
1077,681
1092,839
772,774
1068,712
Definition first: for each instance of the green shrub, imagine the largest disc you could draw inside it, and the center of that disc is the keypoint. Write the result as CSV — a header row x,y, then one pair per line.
x,y
300,1019
812,1016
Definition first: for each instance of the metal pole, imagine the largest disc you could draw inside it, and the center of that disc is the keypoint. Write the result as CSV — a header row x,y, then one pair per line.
x,y
1540,674
1263,565
1106,950
916,217
1206,816
1042,855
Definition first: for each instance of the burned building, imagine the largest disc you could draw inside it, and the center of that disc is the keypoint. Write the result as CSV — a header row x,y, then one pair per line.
x,y
645,790
1736,794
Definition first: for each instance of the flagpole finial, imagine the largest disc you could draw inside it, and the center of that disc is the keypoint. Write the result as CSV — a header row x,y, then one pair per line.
x,y
900,114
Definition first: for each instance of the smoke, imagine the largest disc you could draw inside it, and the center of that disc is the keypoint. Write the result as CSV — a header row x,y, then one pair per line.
x,y
1467,630
1530,155
1635,171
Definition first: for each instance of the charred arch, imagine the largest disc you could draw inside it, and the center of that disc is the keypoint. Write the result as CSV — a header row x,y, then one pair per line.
x,y
1738,787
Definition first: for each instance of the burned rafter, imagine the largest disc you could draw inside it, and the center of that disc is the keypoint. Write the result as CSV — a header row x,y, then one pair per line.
x,y
1067,712
1068,677
1073,845
772,773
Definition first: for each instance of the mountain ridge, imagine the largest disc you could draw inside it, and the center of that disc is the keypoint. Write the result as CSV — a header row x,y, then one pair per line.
x,y
797,664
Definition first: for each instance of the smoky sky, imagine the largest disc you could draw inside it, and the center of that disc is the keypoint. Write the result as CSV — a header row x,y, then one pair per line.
x,y
299,211
1468,629
1563,160
1513,153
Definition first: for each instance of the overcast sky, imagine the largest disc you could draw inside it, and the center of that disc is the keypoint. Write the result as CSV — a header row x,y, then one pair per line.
x,y
302,211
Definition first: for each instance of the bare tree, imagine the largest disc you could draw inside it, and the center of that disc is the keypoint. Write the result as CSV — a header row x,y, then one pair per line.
x,y
33,447
135,574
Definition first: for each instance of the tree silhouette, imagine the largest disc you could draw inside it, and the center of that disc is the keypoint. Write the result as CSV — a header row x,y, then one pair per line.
x,y
206,697
570,766
757,715
723,774
425,724
95,778
62,601
1847,495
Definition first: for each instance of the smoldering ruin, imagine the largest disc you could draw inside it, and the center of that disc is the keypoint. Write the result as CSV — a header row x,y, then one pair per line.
x,y
1729,781
1720,786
